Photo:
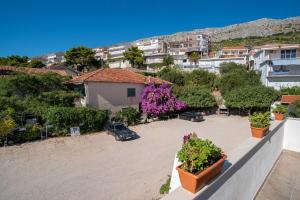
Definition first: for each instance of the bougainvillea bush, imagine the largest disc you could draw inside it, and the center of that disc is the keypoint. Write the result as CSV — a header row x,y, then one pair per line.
x,y
158,100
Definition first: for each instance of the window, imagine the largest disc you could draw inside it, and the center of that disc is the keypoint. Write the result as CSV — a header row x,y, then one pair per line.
x,y
130,92
288,54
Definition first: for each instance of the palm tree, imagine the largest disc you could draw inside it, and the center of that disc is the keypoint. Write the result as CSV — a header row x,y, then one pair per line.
x,y
168,61
194,57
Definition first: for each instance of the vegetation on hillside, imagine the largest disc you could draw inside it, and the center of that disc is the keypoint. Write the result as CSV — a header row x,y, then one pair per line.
x,y
287,38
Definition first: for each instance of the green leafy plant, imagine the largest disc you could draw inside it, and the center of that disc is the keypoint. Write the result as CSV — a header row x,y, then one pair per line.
x,y
290,91
32,132
197,154
280,109
195,96
164,189
129,115
260,120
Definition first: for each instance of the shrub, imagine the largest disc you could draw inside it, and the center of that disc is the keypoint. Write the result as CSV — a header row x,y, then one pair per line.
x,y
159,100
164,189
195,96
249,98
6,124
59,98
290,91
197,154
260,120
280,109
238,79
32,132
172,75
65,117
295,109
229,67
129,115
201,77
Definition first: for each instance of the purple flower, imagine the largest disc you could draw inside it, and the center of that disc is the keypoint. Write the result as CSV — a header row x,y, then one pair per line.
x,y
159,100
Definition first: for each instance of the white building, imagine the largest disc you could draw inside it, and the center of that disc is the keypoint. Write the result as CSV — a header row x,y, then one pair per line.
x,y
116,57
101,53
279,64
154,49
212,64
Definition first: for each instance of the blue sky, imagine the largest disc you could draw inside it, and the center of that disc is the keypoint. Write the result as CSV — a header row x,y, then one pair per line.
x,y
38,27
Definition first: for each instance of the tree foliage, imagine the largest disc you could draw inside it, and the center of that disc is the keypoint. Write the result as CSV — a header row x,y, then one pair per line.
x,y
135,56
236,76
7,123
201,77
194,57
251,97
195,96
81,58
172,75
168,61
291,91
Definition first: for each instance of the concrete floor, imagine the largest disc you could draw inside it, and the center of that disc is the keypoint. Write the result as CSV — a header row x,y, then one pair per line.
x,y
98,167
283,182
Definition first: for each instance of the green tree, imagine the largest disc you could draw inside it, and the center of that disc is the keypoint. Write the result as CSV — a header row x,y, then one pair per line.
x,y
15,60
251,97
7,123
195,96
168,61
172,75
194,57
81,58
238,79
135,56
201,77
295,90
36,64
231,67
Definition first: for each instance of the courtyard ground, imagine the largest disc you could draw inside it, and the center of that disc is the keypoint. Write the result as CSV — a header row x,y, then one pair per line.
x,y
97,167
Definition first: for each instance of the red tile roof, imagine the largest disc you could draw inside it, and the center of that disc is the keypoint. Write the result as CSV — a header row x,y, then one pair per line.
x,y
288,99
116,76
32,70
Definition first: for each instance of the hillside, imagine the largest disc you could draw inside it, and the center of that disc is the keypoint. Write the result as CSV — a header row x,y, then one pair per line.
x,y
280,38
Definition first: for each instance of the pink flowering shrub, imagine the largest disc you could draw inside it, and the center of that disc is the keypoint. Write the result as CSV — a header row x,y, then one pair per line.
x,y
158,100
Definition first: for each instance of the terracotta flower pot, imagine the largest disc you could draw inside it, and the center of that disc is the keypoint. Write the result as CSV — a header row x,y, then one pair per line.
x,y
259,132
279,116
194,182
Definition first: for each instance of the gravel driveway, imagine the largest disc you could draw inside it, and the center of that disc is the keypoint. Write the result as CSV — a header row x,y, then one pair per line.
x,y
98,167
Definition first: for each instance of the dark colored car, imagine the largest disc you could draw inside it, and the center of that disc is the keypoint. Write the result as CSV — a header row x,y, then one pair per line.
x,y
120,131
191,116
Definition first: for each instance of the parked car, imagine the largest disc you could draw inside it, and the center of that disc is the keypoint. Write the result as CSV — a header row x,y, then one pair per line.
x,y
191,116
120,131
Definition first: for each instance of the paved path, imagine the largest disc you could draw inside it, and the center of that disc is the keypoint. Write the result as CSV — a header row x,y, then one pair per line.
x,y
283,182
97,167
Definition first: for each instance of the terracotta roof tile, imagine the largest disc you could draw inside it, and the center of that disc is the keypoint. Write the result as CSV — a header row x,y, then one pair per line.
x,y
288,99
116,76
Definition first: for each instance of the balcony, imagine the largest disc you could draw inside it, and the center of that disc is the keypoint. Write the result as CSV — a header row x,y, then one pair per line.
x,y
284,73
286,62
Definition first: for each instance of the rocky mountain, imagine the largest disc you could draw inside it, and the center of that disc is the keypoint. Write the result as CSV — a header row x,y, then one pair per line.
x,y
260,28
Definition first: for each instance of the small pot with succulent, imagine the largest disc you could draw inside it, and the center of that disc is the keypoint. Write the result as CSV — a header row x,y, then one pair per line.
x,y
201,161
280,112
260,123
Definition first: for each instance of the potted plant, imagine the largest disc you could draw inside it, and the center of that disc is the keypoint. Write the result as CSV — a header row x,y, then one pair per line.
x,y
280,111
260,123
201,162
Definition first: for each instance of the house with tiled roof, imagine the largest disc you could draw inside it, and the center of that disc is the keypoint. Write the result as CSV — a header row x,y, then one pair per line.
x,y
112,89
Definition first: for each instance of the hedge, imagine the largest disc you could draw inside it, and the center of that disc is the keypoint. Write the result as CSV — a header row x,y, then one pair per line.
x,y
62,118
249,98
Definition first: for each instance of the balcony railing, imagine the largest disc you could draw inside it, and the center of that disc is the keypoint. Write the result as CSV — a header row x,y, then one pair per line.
x,y
283,73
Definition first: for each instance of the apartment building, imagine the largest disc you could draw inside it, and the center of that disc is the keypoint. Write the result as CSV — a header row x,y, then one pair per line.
x,y
154,49
234,51
180,46
279,64
116,57
101,53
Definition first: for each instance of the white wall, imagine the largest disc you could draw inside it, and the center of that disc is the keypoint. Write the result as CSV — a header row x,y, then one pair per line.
x,y
112,96
292,135
247,166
